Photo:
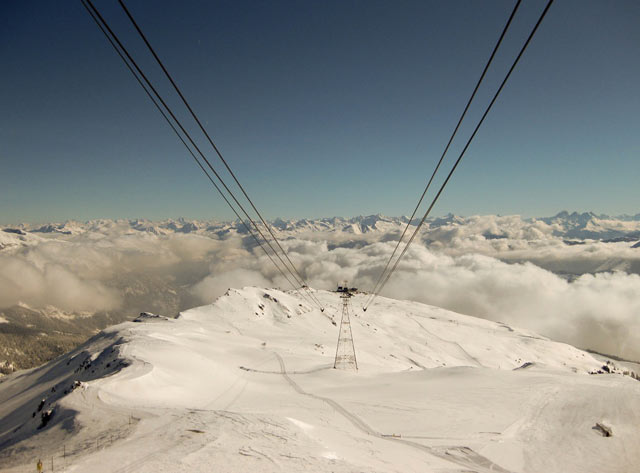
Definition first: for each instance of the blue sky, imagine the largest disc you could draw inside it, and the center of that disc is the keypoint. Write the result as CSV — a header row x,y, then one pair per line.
x,y
321,108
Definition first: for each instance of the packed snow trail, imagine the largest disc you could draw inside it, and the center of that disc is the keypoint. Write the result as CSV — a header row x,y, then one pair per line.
x,y
463,456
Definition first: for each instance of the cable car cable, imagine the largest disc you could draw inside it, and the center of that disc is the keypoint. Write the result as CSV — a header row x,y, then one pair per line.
x,y
435,199
103,21
455,131
197,120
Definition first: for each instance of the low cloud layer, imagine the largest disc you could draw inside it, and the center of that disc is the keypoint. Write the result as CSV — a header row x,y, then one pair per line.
x,y
40,284
598,311
499,268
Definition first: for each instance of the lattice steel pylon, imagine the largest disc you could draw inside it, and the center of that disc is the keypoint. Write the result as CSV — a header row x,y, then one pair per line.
x,y
345,351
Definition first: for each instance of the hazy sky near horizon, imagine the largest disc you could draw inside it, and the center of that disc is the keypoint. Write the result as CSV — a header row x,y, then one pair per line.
x,y
321,108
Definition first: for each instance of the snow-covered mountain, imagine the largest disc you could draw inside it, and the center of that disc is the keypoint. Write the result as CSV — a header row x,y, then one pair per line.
x,y
246,384
355,225
588,225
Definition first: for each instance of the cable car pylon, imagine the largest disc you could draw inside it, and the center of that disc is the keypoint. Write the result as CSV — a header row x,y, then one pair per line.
x,y
345,351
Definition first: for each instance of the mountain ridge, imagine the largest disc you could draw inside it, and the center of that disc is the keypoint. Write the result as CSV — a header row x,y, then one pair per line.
x,y
586,225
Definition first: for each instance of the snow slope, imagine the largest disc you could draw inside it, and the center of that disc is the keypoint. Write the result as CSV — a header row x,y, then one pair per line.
x,y
246,384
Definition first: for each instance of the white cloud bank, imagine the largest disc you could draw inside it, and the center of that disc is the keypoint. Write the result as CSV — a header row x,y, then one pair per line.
x,y
599,311
490,267
38,285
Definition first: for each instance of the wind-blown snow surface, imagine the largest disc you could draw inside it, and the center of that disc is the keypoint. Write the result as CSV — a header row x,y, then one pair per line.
x,y
246,384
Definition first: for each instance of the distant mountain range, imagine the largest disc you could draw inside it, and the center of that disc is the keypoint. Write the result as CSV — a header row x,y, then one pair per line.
x,y
566,225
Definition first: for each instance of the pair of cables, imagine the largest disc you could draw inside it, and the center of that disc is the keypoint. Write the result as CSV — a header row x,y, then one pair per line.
x,y
389,269
283,264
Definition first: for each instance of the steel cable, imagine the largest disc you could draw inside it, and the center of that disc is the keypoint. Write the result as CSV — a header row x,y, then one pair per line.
x,y
455,131
435,199
100,20
204,131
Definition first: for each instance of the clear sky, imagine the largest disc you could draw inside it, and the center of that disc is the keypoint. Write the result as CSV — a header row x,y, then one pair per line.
x,y
322,108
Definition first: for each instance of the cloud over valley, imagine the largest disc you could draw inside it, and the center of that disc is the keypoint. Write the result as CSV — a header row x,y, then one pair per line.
x,y
572,277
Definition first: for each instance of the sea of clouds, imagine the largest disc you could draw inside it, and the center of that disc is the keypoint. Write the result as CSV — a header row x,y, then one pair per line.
x,y
506,269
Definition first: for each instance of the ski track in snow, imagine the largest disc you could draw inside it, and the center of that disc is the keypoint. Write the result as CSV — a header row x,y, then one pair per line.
x,y
456,344
464,456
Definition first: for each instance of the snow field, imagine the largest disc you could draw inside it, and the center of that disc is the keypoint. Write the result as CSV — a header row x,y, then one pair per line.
x,y
246,384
